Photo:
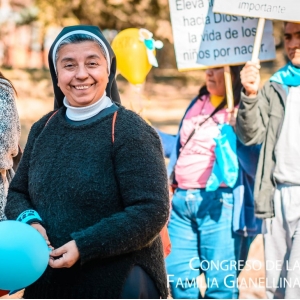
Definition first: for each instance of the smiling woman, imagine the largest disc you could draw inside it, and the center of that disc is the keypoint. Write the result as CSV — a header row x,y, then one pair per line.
x,y
82,71
85,190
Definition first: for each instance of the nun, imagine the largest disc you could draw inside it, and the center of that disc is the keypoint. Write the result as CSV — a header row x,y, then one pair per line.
x,y
92,181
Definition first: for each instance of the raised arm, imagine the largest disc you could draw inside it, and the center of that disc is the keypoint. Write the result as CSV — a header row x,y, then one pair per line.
x,y
253,113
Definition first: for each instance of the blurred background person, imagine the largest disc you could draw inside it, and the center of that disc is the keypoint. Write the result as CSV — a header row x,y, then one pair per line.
x,y
212,218
10,131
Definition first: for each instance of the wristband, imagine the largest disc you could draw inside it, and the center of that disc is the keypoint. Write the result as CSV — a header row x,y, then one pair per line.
x,y
29,215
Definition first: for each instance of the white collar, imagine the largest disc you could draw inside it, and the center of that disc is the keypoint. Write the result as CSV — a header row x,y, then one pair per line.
x,y
86,112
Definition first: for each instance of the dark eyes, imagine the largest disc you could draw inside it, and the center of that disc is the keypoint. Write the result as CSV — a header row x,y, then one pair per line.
x,y
69,66
92,63
88,64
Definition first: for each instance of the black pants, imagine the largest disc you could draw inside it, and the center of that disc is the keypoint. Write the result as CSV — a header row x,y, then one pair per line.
x,y
139,285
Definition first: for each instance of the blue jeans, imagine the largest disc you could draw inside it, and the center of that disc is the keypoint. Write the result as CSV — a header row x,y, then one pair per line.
x,y
202,240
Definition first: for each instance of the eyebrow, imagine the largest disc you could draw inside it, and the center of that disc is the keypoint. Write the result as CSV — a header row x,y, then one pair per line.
x,y
88,57
292,33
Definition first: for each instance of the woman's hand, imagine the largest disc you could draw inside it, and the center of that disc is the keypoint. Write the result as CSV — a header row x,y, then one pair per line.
x,y
232,113
65,256
250,78
42,231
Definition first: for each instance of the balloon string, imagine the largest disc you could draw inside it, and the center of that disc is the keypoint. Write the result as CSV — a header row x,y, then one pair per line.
x,y
138,94
141,99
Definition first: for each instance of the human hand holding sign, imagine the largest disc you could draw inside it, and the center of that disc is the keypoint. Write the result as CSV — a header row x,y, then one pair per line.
x,y
250,78
65,256
232,114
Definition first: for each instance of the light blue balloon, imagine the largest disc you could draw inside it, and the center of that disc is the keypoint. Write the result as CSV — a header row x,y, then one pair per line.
x,y
24,255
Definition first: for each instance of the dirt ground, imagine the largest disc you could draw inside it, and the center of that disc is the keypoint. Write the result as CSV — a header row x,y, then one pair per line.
x,y
162,101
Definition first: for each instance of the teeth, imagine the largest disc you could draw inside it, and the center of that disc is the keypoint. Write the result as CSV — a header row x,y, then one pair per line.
x,y
82,87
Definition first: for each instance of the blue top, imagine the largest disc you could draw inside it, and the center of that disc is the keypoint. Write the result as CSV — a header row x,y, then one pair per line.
x,y
244,220
289,75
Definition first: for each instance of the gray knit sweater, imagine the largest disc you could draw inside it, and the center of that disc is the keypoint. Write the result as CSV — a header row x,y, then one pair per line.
x,y
111,198
9,138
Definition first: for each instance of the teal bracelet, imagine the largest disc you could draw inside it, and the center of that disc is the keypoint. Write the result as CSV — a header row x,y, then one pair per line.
x,y
28,215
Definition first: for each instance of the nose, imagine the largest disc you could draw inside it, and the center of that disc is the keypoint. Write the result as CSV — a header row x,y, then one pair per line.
x,y
82,72
209,72
294,43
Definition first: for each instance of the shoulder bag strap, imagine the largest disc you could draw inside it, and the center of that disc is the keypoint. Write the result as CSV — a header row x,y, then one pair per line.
x,y
113,126
53,114
172,176
218,108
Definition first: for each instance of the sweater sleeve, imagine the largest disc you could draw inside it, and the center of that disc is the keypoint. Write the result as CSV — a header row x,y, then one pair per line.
x,y
141,175
253,117
18,199
9,128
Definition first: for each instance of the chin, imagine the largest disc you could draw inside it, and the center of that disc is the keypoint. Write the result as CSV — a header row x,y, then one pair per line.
x,y
210,89
81,103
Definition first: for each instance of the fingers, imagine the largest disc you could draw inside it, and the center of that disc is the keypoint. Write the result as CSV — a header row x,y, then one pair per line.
x,y
42,231
232,114
65,256
250,77
235,112
250,70
58,258
45,236
61,262
252,64
59,251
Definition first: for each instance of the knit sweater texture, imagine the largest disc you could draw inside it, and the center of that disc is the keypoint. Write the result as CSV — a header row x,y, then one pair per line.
x,y
111,198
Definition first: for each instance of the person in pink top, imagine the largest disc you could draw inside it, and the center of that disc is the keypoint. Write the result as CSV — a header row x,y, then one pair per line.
x,y
212,205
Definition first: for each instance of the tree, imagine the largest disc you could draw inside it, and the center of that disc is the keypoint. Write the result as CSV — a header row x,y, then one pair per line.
x,y
107,14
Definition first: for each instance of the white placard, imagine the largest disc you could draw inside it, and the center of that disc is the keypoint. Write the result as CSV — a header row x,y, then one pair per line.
x,y
203,39
287,10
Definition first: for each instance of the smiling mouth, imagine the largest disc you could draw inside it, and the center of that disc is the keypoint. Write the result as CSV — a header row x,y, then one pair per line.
x,y
82,87
293,52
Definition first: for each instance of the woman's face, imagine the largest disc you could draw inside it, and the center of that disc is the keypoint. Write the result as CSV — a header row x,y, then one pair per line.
x,y
215,81
82,73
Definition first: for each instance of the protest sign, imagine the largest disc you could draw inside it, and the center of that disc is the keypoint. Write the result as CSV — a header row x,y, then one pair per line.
x,y
205,39
287,10
269,9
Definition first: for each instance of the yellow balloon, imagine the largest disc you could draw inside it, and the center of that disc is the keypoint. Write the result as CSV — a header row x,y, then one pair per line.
x,y
131,54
